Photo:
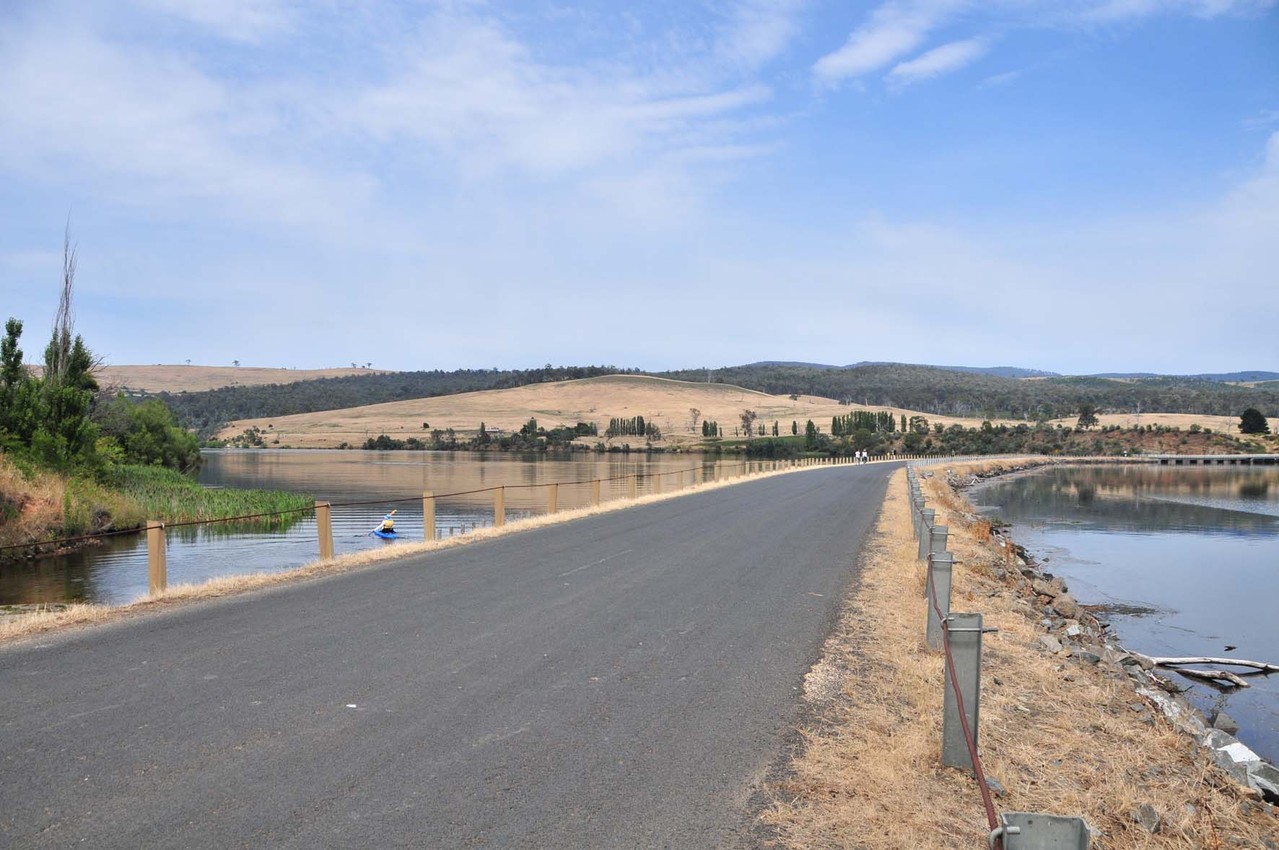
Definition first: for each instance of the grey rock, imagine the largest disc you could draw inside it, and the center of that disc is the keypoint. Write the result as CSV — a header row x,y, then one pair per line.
x,y
1147,818
1238,772
1218,738
1225,723
1066,606
996,787
1050,643
1044,588
1265,778
1086,656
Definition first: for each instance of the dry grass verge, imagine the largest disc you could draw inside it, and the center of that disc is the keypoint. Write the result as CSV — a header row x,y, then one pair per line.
x,y
57,617
1058,735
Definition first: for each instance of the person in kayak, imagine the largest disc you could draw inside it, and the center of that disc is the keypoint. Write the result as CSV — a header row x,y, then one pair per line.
x,y
388,524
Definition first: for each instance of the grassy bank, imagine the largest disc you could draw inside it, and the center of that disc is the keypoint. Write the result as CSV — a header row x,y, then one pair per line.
x,y
1057,734
38,505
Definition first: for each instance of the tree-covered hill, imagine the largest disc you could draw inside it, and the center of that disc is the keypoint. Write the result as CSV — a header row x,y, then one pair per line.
x,y
209,410
945,391
929,389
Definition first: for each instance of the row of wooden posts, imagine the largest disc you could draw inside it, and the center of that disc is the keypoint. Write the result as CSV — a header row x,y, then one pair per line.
x,y
157,566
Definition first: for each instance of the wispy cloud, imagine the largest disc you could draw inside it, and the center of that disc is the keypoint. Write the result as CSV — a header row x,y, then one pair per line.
x,y
1118,10
237,20
757,31
897,28
152,128
894,29
939,60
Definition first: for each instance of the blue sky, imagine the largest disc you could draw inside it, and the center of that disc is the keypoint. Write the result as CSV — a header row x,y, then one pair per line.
x,y
1079,185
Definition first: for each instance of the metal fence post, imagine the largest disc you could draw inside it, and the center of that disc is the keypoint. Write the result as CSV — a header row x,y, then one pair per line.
x,y
157,565
552,498
937,539
324,528
428,514
499,507
940,569
925,525
964,635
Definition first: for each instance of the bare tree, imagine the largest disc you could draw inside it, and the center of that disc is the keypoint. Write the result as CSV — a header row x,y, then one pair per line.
x,y
694,414
58,355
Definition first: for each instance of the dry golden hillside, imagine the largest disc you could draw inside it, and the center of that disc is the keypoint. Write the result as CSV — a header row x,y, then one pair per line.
x,y
666,402
179,378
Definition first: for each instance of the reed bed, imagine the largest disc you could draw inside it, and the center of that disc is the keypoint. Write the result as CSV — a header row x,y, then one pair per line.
x,y
164,494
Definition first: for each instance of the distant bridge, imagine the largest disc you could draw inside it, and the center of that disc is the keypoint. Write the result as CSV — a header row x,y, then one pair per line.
x,y
1208,460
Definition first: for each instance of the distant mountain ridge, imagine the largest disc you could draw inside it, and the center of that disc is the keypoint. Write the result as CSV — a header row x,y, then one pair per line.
x,y
1248,376
1220,377
1000,371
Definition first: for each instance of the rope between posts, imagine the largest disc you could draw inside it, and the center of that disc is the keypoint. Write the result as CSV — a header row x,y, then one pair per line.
x,y
986,798
987,801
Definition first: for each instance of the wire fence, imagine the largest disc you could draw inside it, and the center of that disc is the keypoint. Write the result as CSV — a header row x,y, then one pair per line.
x,y
44,545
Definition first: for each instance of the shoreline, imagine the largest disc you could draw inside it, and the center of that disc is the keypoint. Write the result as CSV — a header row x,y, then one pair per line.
x,y
1215,734
1064,729
25,623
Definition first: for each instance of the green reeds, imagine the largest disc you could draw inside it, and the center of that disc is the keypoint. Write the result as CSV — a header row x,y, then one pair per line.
x,y
172,497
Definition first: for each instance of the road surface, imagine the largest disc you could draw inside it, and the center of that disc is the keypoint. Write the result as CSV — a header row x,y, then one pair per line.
x,y
623,680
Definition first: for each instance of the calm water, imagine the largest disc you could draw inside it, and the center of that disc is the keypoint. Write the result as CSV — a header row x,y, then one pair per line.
x,y
117,571
1197,548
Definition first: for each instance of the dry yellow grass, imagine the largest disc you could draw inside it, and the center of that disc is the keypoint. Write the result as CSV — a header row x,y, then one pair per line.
x,y
34,506
1220,424
179,378
660,400
1061,737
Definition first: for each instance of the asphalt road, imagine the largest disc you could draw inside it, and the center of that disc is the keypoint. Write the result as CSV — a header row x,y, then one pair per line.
x,y
624,680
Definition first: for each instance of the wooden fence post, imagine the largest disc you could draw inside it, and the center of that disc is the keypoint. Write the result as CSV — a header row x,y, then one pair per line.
x,y
552,498
157,566
632,487
324,528
595,493
428,514
499,507
657,483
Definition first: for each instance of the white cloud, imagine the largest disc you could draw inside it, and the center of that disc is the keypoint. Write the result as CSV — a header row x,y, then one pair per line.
x,y
897,27
150,128
237,20
759,30
476,97
939,60
1272,153
893,31
1117,10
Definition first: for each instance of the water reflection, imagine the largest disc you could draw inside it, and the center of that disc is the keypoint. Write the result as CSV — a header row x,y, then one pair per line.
x,y
1200,546
1143,498
116,570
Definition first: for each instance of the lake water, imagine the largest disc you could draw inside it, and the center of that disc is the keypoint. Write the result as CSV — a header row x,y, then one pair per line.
x,y
116,571
1194,551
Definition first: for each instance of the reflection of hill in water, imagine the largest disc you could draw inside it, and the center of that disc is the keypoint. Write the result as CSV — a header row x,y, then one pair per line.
x,y
1137,499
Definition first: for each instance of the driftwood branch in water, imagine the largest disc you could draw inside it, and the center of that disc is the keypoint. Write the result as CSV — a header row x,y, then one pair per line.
x,y
1229,662
1214,676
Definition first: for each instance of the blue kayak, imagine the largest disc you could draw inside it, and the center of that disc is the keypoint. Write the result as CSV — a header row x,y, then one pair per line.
x,y
385,535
